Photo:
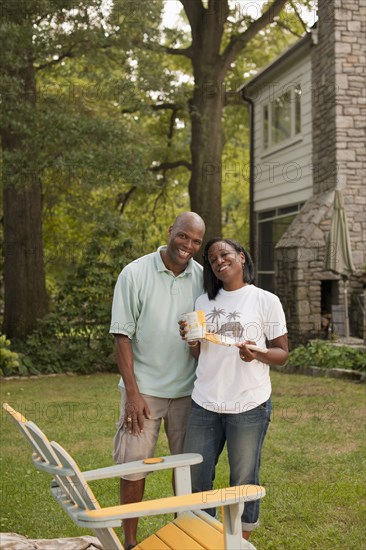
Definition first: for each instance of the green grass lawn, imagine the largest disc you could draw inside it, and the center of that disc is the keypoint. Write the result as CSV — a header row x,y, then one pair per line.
x,y
313,462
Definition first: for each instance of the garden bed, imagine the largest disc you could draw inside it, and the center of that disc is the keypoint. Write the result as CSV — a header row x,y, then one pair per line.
x,y
310,370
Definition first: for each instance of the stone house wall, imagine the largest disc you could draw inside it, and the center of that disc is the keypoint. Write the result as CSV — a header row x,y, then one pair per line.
x,y
339,151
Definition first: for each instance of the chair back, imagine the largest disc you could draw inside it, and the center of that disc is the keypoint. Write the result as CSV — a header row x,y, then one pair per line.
x,y
20,422
43,454
75,495
69,486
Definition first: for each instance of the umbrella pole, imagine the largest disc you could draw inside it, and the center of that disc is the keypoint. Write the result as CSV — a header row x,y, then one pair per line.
x,y
346,318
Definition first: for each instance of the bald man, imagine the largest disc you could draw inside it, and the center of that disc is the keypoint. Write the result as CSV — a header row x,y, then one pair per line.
x,y
157,370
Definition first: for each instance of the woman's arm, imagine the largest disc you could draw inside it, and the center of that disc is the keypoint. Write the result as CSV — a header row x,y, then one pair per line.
x,y
277,351
276,355
195,348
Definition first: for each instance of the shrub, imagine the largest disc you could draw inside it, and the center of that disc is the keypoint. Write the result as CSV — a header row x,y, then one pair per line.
x,y
12,362
75,337
325,355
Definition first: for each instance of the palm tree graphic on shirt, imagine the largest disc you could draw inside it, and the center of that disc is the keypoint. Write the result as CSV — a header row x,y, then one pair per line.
x,y
232,316
232,328
215,315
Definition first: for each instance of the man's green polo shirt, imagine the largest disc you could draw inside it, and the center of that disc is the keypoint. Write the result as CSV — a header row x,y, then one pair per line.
x,y
147,304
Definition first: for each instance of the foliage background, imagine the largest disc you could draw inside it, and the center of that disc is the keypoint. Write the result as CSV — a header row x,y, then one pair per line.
x,y
101,128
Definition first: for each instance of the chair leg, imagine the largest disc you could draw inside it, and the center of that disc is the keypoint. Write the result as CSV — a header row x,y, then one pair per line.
x,y
231,516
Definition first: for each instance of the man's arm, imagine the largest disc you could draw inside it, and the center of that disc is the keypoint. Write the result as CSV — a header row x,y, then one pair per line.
x,y
136,407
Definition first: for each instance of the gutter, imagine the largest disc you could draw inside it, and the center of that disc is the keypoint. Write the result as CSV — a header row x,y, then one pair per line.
x,y
251,174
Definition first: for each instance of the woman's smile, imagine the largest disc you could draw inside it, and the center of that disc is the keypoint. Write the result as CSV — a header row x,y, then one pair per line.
x,y
227,265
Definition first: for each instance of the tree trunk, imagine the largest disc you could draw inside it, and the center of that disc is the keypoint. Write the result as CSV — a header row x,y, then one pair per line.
x,y
24,276
206,151
25,298
206,110
211,60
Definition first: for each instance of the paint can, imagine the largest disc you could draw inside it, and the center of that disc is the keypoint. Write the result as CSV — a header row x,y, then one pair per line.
x,y
196,324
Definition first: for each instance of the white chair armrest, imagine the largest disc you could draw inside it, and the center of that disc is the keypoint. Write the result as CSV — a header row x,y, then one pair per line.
x,y
138,466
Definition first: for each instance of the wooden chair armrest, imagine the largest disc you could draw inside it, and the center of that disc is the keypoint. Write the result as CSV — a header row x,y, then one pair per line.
x,y
50,469
112,516
138,466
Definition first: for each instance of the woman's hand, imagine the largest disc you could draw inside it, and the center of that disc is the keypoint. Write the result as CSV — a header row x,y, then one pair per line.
x,y
245,353
182,329
276,355
194,345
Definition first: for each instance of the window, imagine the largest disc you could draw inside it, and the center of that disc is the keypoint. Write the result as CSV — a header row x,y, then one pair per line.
x,y
282,117
271,226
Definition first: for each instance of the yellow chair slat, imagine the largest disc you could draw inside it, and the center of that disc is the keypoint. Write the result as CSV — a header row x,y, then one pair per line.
x,y
152,543
176,539
200,531
216,524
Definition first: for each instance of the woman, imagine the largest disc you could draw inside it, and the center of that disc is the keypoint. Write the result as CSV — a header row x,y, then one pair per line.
x,y
231,397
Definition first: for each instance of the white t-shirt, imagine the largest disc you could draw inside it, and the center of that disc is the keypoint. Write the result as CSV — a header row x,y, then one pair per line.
x,y
224,382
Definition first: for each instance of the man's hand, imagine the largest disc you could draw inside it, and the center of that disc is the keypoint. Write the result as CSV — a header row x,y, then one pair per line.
x,y
136,410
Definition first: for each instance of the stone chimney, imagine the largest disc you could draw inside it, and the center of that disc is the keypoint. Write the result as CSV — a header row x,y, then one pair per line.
x,y
339,161
339,111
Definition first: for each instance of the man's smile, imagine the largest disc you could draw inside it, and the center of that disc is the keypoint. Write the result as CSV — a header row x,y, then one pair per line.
x,y
183,253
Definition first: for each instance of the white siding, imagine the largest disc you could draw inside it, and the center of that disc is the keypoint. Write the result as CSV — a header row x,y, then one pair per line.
x,y
283,175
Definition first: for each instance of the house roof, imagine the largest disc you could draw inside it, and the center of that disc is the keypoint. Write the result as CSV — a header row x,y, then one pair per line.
x,y
311,223
290,55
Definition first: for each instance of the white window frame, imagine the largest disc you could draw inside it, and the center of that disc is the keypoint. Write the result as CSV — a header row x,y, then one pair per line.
x,y
267,145
292,209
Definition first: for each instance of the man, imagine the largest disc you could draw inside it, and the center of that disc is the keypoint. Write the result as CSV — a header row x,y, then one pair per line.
x,y
157,370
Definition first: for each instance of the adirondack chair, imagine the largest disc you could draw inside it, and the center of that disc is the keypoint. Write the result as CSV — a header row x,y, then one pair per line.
x,y
192,529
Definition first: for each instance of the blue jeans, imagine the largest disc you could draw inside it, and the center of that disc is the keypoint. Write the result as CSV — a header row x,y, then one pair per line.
x,y
244,434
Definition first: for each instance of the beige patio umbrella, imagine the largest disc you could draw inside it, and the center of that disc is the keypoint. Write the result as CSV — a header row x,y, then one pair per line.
x,y
338,257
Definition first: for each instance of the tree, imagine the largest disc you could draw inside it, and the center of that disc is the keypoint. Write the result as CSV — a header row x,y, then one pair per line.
x,y
24,275
83,93
211,60
46,127
205,63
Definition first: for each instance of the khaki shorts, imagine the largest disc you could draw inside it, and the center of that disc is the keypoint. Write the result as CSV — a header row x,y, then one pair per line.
x,y
129,447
